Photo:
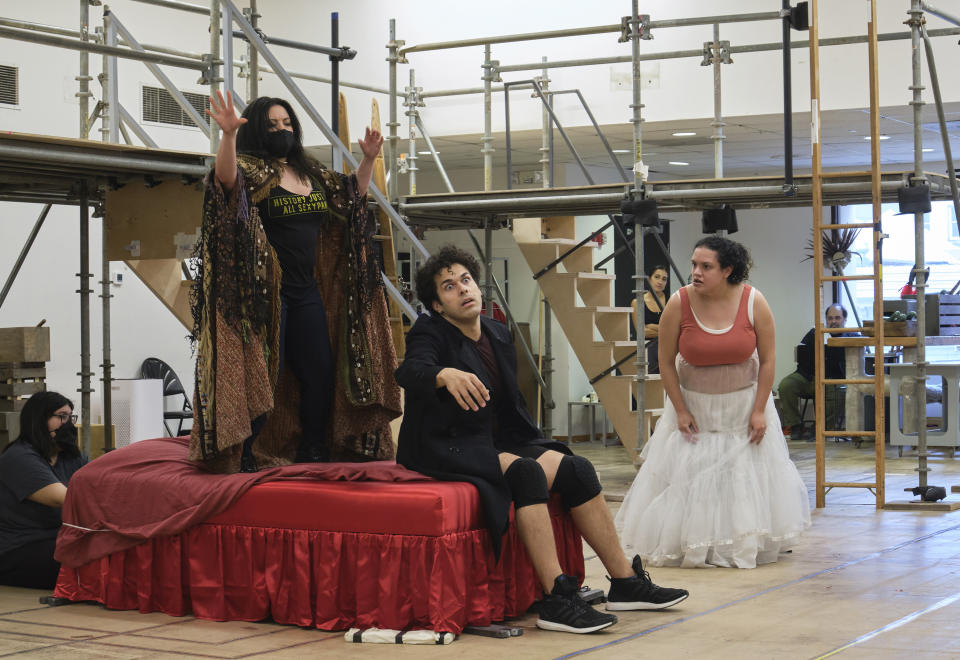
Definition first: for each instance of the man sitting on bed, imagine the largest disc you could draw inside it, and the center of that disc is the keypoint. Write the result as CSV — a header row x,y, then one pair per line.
x,y
465,420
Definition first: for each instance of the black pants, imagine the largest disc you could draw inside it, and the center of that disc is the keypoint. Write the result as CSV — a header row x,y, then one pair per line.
x,y
31,565
305,347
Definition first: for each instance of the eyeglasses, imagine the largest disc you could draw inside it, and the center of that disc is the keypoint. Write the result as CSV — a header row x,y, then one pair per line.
x,y
66,417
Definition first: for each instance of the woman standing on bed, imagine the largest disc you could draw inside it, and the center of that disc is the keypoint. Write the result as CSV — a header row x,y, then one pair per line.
x,y
294,350
717,487
35,470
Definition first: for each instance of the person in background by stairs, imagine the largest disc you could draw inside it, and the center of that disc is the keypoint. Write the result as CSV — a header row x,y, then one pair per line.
x,y
465,420
654,300
717,486
800,382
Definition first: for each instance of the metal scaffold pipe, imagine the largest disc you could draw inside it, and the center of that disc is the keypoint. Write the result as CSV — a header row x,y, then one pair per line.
x,y
505,205
638,180
942,14
174,4
24,252
597,29
213,131
718,123
83,77
919,178
79,34
46,155
546,325
322,79
434,153
510,38
681,54
393,142
90,47
253,57
713,20
487,139
411,103
546,136
941,118
85,292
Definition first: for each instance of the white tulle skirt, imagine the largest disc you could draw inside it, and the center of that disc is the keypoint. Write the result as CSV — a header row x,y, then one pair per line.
x,y
719,501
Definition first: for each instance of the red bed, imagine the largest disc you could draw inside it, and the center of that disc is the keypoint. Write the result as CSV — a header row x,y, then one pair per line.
x,y
392,553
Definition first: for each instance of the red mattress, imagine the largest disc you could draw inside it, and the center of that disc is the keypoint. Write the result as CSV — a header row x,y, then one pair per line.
x,y
331,555
424,508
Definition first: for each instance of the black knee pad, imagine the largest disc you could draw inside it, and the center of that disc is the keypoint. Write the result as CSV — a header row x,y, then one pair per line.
x,y
576,481
527,482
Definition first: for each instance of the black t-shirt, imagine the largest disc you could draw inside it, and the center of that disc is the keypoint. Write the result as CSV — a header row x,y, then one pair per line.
x,y
489,359
23,472
292,223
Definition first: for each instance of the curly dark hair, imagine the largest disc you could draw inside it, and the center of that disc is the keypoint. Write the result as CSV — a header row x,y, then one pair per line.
x,y
730,254
252,136
445,258
33,425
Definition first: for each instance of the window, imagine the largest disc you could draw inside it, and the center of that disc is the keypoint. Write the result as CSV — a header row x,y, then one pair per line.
x,y
9,85
159,106
941,253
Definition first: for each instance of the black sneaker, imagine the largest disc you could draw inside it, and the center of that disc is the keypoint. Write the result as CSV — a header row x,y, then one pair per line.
x,y
565,611
640,593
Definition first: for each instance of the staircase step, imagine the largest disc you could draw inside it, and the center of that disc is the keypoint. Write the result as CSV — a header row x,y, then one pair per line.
x,y
541,253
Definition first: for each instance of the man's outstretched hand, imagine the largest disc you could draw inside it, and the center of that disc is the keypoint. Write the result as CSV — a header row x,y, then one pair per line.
x,y
466,388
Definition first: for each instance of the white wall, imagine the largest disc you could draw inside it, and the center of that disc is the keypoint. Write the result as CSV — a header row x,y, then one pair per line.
x,y
141,326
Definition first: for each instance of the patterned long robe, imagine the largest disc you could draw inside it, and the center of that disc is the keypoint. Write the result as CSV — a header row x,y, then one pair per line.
x,y
236,307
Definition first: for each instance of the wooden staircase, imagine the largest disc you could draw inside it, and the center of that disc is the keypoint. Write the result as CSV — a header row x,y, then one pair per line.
x,y
599,333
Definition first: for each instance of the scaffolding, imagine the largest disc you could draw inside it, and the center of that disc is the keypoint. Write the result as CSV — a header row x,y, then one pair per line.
x,y
84,183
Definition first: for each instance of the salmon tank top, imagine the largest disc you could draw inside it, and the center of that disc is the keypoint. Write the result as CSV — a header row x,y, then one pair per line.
x,y
705,347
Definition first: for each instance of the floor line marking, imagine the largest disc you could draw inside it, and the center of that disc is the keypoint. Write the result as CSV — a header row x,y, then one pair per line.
x,y
723,606
892,625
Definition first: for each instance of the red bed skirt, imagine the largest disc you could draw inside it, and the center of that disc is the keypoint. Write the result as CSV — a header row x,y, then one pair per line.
x,y
332,580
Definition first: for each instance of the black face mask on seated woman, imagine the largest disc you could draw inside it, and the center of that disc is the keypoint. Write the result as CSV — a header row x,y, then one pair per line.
x,y
279,143
66,438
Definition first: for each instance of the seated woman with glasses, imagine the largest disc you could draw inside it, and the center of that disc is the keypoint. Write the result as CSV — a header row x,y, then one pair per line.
x,y
34,472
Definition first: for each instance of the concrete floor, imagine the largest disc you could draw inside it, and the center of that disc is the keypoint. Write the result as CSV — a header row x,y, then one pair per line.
x,y
862,584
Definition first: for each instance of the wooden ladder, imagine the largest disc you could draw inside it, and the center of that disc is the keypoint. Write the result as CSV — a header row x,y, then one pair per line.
x,y
384,235
877,485
599,333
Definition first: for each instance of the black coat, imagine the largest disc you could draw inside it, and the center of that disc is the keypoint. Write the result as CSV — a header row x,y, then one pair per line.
x,y
440,439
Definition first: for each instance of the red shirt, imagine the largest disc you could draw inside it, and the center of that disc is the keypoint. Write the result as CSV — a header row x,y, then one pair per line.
x,y
705,347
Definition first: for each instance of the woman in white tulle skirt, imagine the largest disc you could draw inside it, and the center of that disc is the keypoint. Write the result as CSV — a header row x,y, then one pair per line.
x,y
717,486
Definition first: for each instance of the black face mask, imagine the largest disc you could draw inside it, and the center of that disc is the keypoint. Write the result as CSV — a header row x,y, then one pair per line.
x,y
279,143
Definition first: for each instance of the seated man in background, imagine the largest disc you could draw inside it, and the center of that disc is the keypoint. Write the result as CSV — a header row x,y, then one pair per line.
x,y
800,382
465,420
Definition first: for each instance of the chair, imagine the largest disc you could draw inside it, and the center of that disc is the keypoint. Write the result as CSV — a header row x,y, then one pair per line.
x,y
156,368
805,400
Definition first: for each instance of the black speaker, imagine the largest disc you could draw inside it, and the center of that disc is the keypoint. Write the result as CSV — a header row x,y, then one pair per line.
x,y
643,211
800,16
914,199
723,218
